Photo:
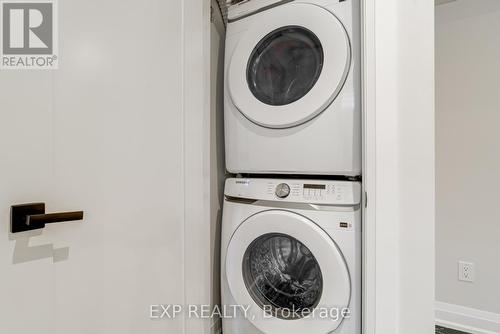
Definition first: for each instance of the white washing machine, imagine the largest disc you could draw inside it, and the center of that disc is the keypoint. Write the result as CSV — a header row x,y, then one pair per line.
x,y
292,87
291,257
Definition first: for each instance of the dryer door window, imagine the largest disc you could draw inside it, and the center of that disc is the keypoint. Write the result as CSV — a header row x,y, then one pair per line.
x,y
282,273
285,65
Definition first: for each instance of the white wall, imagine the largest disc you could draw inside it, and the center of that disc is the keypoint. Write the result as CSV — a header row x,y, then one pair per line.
x,y
399,166
198,184
468,151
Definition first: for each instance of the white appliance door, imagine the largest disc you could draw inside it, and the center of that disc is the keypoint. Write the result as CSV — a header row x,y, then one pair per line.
x,y
289,65
289,272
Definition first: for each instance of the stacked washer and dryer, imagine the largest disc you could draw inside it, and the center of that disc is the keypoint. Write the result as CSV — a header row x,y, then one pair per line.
x,y
291,227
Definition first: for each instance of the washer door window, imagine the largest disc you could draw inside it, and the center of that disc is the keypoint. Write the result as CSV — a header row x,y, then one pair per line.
x,y
284,266
282,273
289,65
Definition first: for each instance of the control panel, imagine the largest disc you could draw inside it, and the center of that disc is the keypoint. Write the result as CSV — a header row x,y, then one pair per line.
x,y
299,191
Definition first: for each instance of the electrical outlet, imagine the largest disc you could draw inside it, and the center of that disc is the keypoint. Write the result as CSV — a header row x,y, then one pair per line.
x,y
465,271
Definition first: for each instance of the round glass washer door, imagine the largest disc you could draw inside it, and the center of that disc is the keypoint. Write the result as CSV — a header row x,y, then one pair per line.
x,y
284,266
289,65
281,273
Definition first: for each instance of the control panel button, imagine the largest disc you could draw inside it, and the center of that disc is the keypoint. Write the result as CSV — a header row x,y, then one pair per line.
x,y
282,190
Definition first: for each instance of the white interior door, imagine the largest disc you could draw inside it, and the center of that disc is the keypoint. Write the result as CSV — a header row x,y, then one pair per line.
x,y
102,134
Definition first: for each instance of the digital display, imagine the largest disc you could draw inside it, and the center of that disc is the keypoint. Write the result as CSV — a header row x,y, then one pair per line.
x,y
314,186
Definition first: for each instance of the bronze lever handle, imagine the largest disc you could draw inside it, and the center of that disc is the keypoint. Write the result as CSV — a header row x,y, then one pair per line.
x,y
32,216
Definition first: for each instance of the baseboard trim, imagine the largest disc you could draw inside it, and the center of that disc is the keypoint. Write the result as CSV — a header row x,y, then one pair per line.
x,y
467,319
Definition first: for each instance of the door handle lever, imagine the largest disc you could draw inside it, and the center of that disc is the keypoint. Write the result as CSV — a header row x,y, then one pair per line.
x,y
32,216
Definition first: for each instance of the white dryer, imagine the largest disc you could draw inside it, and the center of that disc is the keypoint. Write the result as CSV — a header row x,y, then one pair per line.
x,y
292,87
291,257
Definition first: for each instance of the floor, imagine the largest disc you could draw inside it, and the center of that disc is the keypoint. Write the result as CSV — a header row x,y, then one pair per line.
x,y
442,330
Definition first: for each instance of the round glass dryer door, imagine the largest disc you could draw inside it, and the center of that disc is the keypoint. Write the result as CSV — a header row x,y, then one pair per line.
x,y
285,65
289,65
284,266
